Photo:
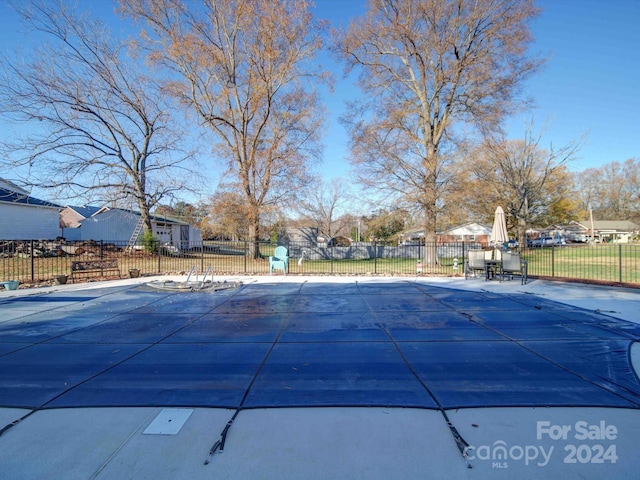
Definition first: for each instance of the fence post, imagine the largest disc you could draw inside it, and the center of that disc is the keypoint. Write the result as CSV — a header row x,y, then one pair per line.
x,y
202,256
159,255
246,252
620,262
330,253
553,260
33,266
375,257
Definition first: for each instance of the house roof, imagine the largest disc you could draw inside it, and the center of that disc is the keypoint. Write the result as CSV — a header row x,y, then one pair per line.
x,y
161,218
471,228
154,217
85,211
10,196
614,225
4,183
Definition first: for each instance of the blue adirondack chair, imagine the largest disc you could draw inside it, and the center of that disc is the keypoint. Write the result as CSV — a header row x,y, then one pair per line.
x,y
279,260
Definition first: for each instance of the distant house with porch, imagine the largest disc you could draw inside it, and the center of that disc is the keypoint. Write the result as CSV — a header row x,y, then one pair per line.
x,y
469,232
608,231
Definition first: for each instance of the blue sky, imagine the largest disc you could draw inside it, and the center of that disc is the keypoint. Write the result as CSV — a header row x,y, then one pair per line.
x,y
590,84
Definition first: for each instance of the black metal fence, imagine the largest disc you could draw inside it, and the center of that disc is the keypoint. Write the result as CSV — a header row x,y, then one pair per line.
x,y
41,261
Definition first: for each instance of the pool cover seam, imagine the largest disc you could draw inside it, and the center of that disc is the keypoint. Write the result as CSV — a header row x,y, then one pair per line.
x,y
479,322
554,363
68,332
64,392
219,444
38,294
461,443
44,405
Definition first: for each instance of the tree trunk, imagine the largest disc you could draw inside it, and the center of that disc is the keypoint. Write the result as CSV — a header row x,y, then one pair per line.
x,y
522,233
145,216
430,207
254,228
522,224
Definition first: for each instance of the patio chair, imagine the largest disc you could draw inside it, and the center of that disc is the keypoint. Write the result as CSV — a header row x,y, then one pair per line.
x,y
474,263
279,260
512,265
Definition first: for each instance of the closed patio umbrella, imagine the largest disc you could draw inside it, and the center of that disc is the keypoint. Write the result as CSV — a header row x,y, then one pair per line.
x,y
499,233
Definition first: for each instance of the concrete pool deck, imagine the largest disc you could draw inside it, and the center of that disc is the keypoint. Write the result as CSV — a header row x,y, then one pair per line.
x,y
336,422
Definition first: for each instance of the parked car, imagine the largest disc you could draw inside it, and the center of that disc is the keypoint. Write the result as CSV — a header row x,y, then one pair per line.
x,y
547,242
540,242
579,238
169,250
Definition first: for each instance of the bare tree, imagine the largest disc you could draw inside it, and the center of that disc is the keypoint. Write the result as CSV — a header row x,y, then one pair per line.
x,y
612,190
427,66
324,206
529,182
245,67
101,127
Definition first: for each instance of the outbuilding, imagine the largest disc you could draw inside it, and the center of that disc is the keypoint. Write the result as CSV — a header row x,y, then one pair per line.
x,y
23,217
71,218
117,226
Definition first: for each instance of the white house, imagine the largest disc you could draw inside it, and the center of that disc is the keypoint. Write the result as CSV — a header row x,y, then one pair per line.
x,y
23,217
117,225
615,231
469,232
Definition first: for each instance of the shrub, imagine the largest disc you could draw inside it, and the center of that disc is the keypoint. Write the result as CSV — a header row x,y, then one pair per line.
x,y
150,242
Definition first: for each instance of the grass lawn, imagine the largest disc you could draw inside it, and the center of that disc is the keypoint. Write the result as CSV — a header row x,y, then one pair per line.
x,y
609,262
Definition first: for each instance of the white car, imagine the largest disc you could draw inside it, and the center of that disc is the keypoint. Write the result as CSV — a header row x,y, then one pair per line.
x,y
170,250
579,238
547,242
541,242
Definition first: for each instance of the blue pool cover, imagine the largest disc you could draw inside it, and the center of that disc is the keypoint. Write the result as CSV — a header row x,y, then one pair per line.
x,y
401,344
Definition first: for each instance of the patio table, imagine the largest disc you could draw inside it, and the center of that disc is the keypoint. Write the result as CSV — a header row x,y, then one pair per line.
x,y
492,269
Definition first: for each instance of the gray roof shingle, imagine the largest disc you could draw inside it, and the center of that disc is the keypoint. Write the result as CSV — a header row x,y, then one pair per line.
x,y
10,196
